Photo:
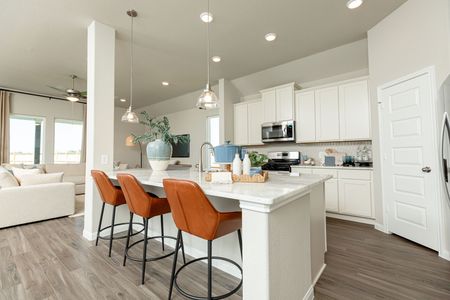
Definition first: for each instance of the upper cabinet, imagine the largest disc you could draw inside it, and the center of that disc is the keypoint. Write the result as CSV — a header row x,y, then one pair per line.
x,y
327,114
278,103
339,112
354,110
248,118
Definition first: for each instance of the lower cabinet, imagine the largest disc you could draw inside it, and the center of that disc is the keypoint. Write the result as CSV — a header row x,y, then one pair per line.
x,y
349,192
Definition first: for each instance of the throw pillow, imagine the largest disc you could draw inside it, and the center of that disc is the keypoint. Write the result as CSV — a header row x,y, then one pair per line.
x,y
7,180
10,166
41,179
19,173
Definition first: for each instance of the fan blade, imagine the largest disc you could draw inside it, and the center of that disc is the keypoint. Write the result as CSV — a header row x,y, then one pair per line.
x,y
57,89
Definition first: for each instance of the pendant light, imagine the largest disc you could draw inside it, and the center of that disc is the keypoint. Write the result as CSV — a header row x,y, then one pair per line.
x,y
208,99
130,116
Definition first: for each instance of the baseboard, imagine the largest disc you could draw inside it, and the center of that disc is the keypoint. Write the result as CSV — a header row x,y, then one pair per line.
x,y
193,252
444,254
351,218
319,274
382,228
310,293
90,236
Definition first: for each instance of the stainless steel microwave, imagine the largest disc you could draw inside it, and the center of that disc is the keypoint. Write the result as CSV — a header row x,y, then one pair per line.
x,y
283,131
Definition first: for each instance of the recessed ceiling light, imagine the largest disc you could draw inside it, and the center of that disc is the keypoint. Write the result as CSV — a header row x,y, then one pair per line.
x,y
216,58
206,17
352,4
270,37
123,100
165,83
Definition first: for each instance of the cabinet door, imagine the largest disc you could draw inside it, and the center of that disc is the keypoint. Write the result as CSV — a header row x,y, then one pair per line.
x,y
305,117
269,106
332,195
354,111
255,112
327,114
301,170
355,197
284,103
241,124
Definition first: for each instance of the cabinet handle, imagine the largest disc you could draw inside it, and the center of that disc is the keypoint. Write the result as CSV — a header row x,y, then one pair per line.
x,y
426,169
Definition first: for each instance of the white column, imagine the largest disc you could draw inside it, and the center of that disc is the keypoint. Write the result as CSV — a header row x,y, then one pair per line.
x,y
100,117
228,95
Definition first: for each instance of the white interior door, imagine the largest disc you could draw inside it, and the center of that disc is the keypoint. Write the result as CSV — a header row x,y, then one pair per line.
x,y
410,164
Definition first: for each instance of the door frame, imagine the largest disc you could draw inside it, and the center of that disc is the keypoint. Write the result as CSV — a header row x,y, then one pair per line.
x,y
431,73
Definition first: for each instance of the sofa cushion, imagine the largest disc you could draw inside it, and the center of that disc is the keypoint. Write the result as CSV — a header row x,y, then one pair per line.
x,y
38,166
68,169
19,173
41,179
74,179
80,189
7,180
10,166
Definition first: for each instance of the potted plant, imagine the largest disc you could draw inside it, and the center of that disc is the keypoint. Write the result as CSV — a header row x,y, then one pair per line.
x,y
157,135
257,160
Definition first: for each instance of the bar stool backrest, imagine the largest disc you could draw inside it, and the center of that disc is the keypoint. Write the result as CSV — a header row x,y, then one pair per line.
x,y
138,201
191,209
108,192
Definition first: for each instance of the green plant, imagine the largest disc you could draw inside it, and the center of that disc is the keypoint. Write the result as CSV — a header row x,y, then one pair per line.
x,y
258,160
157,128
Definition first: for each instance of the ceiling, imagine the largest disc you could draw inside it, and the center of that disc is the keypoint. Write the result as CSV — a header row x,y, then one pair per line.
x,y
45,41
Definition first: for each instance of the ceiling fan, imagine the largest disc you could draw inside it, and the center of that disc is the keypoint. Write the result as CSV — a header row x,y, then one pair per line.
x,y
72,94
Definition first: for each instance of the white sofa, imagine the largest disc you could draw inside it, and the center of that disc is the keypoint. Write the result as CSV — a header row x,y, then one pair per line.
x,y
25,204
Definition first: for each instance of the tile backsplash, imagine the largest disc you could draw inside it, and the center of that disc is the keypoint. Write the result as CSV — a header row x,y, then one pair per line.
x,y
312,150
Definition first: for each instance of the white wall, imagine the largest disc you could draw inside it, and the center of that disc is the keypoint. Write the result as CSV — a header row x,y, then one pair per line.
x,y
413,37
49,109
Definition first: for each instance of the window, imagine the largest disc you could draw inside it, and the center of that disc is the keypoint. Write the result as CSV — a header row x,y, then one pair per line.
x,y
213,134
68,141
26,139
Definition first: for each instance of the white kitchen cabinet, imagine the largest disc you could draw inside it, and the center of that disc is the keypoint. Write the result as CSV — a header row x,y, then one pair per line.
x,y
269,102
355,197
327,114
354,111
285,103
278,103
241,124
305,116
331,189
255,119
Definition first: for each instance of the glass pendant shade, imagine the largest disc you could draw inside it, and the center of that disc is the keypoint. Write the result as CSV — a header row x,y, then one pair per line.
x,y
207,100
130,116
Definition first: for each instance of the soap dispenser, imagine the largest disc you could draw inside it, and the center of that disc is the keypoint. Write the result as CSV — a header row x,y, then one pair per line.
x,y
247,165
237,165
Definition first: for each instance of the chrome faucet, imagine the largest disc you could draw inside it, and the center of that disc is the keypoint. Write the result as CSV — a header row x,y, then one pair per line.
x,y
200,166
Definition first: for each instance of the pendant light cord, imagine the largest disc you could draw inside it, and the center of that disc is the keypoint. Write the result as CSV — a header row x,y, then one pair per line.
x,y
207,50
131,61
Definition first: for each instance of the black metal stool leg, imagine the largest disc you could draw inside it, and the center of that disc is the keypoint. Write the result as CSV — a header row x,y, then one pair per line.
x,y
112,230
162,232
209,270
100,223
182,247
130,225
174,267
240,240
144,262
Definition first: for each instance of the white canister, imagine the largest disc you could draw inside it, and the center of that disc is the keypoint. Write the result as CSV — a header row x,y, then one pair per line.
x,y
237,165
247,165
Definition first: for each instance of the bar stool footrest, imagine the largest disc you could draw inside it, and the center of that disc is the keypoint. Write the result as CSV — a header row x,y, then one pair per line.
x,y
107,237
152,258
223,296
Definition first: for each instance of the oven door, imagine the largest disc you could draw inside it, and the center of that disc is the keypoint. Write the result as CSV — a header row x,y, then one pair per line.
x,y
278,132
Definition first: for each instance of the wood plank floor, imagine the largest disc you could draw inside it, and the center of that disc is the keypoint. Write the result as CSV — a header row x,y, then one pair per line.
x,y
51,260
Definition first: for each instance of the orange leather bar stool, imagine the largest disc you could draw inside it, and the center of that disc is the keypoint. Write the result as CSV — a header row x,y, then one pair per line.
x,y
147,206
113,196
193,213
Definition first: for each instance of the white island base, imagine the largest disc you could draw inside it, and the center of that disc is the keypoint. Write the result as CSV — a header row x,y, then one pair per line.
x,y
283,230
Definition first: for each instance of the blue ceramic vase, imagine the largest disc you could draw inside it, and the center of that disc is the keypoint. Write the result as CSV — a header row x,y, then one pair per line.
x,y
159,154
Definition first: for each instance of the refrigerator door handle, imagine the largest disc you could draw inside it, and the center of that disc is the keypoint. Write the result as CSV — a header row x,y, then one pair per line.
x,y
445,130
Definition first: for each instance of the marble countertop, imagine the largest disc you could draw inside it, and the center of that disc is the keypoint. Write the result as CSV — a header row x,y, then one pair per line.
x,y
278,189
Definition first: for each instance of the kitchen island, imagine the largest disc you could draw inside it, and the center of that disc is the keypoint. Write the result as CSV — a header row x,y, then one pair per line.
x,y
283,229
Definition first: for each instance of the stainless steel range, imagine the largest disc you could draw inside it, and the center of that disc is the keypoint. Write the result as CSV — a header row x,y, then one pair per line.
x,y
282,161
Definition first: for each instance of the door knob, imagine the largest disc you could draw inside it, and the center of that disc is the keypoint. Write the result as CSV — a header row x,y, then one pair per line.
x,y
426,169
